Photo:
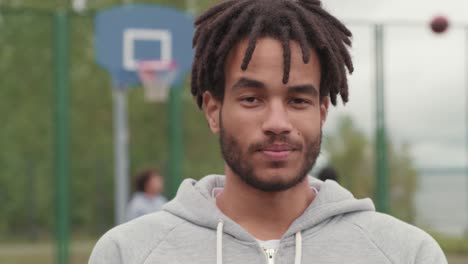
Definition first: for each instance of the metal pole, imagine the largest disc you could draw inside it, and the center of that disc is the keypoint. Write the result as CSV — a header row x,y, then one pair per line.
x,y
175,141
380,137
466,120
101,192
175,128
120,154
61,116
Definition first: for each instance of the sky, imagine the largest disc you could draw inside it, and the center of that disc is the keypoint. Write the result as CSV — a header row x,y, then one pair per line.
x,y
425,75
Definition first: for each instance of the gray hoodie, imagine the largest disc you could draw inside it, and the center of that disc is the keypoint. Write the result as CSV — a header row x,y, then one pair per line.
x,y
335,228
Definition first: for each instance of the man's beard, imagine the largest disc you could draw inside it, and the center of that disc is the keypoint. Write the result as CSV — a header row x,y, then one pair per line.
x,y
241,163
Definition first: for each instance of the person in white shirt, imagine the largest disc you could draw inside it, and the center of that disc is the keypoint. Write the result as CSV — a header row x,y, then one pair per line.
x,y
148,198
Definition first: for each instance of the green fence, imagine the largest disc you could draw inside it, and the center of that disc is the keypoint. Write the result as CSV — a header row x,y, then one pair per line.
x,y
56,131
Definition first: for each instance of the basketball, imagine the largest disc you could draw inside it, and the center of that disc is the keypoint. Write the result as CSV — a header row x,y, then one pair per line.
x,y
439,24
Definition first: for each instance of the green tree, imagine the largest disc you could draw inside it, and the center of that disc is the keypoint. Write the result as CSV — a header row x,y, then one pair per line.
x,y
351,152
26,118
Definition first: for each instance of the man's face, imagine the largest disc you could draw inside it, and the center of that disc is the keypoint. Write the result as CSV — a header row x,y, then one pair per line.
x,y
270,132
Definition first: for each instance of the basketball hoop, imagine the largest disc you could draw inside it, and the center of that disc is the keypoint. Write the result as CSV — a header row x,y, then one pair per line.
x,y
156,78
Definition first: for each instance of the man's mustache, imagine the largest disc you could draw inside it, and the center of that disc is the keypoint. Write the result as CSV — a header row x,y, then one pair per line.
x,y
274,141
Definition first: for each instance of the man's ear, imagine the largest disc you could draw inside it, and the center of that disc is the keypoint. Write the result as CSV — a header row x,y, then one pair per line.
x,y
212,108
324,109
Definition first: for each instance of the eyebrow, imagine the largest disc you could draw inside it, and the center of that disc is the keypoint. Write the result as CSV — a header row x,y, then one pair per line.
x,y
246,82
297,89
303,89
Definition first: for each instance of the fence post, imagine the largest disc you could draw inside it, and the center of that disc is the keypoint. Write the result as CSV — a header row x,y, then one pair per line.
x,y
175,141
31,200
380,137
61,138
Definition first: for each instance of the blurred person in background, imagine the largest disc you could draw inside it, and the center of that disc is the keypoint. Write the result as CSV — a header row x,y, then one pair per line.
x,y
265,73
328,173
148,198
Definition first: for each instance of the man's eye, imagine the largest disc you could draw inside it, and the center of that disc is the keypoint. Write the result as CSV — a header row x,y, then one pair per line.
x,y
299,101
250,99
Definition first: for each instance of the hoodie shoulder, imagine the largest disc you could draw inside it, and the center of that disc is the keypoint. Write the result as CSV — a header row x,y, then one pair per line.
x,y
399,242
134,241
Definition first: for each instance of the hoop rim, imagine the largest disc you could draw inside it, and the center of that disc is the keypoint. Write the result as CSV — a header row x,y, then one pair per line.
x,y
156,77
156,65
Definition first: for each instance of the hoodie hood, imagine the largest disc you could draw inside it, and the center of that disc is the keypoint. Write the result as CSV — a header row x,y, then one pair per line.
x,y
195,204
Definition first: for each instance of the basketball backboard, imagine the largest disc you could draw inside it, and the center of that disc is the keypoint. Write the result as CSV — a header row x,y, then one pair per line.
x,y
126,35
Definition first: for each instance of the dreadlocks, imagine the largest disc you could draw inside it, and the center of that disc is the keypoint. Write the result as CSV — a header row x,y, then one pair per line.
x,y
305,21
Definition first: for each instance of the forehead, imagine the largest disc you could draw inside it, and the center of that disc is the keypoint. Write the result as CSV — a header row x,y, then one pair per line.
x,y
267,63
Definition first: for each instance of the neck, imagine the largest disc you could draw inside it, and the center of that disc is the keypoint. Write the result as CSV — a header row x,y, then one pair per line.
x,y
265,215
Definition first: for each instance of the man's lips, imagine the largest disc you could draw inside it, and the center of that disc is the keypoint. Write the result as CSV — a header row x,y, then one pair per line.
x,y
277,152
277,148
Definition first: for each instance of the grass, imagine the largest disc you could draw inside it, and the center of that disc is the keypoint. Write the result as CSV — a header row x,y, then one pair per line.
x,y
43,253
457,246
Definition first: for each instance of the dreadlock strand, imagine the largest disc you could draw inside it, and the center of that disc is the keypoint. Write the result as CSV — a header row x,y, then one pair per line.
x,y
320,11
256,30
196,37
332,89
223,49
312,2
300,35
333,70
219,18
193,79
340,48
336,54
336,40
347,41
213,28
344,92
195,85
238,23
211,44
199,42
317,32
286,53
347,60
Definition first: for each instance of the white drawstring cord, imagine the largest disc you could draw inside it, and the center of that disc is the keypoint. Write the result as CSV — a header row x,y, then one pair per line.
x,y
298,248
219,243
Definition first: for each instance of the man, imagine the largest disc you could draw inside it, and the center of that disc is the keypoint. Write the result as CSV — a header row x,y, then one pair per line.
x,y
265,73
148,198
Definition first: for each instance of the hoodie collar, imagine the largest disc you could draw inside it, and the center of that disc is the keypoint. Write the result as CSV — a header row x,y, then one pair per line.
x,y
195,204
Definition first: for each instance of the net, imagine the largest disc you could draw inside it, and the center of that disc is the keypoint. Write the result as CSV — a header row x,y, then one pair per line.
x,y
156,78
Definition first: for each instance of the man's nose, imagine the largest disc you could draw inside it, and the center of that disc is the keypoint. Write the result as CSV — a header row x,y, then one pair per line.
x,y
277,119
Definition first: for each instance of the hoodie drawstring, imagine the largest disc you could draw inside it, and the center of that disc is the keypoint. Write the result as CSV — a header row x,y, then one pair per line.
x,y
219,245
298,258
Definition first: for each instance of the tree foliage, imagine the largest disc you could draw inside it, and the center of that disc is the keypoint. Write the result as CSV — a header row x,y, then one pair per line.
x,y
351,152
27,125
